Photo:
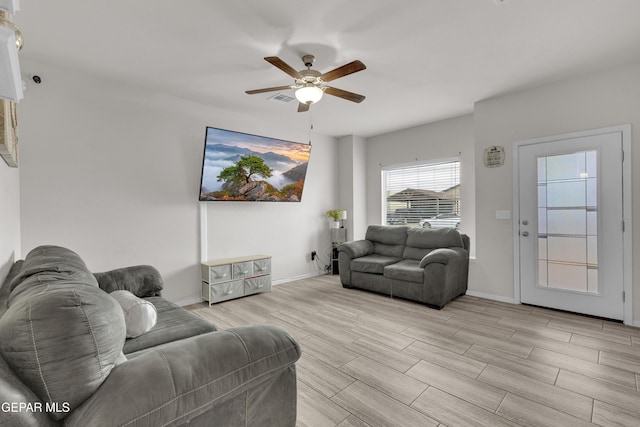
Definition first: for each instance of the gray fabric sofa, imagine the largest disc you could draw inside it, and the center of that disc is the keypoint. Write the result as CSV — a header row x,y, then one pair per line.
x,y
65,359
430,266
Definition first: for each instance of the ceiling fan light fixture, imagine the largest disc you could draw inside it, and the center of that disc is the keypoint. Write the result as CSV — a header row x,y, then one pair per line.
x,y
309,94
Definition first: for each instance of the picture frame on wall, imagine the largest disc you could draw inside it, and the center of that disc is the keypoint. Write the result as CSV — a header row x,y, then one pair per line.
x,y
9,132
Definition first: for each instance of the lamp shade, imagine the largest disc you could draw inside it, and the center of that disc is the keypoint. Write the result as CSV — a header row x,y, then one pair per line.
x,y
309,94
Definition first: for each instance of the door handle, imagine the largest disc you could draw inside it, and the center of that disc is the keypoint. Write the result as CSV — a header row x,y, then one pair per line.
x,y
525,233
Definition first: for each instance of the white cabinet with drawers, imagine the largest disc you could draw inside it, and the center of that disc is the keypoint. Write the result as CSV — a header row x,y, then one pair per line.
x,y
230,278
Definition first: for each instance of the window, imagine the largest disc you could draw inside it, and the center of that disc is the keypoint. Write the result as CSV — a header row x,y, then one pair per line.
x,y
424,194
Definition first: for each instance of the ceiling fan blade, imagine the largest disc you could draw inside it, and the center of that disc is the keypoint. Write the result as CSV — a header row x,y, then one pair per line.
x,y
275,61
302,107
267,89
345,70
349,96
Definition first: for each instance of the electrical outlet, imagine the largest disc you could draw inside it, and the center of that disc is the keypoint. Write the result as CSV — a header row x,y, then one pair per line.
x,y
313,255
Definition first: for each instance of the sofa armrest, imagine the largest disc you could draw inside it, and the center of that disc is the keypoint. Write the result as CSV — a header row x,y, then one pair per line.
x,y
357,248
141,280
172,383
443,256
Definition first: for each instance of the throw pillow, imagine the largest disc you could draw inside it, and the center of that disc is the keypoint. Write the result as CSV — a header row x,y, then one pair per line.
x,y
139,315
141,280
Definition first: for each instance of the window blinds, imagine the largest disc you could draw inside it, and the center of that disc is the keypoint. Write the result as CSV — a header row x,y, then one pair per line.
x,y
416,192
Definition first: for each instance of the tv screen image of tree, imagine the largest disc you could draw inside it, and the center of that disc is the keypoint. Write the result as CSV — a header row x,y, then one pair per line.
x,y
243,167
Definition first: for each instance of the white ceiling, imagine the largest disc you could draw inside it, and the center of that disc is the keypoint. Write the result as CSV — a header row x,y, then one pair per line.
x,y
426,59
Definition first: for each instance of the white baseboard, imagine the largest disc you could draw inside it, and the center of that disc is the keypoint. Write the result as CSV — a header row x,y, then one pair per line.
x,y
293,279
188,301
491,297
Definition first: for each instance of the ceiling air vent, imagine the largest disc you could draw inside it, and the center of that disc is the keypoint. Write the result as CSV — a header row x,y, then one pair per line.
x,y
282,98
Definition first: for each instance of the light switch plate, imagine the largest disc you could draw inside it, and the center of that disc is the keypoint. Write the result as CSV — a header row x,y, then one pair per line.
x,y
503,214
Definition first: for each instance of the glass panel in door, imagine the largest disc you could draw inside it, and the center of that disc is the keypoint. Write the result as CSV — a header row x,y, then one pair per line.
x,y
567,221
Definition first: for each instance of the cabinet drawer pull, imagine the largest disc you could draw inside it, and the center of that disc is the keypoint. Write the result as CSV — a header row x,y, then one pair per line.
x,y
228,292
219,276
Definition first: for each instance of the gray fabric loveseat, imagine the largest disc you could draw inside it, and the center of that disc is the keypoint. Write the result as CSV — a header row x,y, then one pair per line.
x,y
65,359
425,265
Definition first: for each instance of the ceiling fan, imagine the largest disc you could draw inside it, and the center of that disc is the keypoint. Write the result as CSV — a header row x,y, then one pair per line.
x,y
310,84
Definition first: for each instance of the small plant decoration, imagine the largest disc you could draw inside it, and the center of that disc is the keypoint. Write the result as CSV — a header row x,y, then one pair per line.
x,y
336,214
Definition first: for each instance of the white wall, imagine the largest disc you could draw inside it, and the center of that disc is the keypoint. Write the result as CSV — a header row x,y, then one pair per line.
x,y
443,139
592,101
113,172
359,217
352,182
9,218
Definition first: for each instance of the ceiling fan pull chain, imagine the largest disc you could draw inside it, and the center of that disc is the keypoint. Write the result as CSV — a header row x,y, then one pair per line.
x,y
310,126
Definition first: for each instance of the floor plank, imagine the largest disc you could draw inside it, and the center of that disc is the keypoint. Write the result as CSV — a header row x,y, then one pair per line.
x,y
514,364
374,350
566,400
558,346
315,410
447,359
353,421
389,381
530,413
504,345
379,410
612,394
321,376
465,388
609,415
579,366
454,411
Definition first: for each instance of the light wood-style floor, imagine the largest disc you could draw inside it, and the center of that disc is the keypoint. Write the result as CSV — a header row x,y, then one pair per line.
x,y
369,360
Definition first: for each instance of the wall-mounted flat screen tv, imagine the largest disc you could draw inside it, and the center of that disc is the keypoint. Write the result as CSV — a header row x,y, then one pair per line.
x,y
238,166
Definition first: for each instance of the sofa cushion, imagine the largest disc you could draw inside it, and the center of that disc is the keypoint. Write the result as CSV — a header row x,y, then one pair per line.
x,y
434,238
372,263
59,263
415,253
407,270
62,341
139,315
174,323
421,241
387,241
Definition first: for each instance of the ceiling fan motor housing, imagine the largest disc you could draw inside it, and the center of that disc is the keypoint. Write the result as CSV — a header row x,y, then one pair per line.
x,y
309,76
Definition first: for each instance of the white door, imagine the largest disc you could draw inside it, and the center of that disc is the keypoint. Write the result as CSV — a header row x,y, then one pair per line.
x,y
571,224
